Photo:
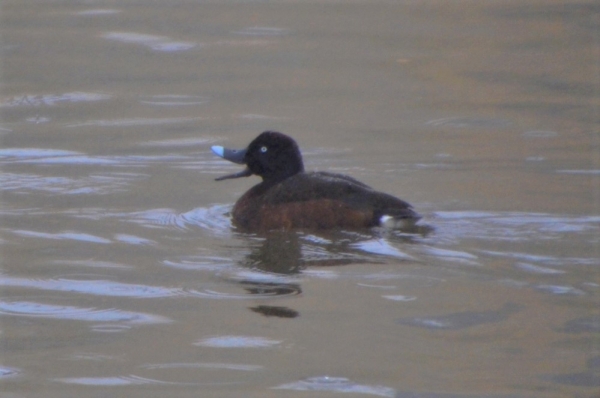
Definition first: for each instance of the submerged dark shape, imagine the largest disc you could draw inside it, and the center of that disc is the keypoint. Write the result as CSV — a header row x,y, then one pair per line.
x,y
288,197
276,311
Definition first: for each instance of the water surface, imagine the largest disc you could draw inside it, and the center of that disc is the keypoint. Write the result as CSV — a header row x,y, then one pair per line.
x,y
121,272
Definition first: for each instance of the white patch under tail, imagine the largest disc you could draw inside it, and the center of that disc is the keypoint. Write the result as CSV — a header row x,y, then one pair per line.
x,y
390,222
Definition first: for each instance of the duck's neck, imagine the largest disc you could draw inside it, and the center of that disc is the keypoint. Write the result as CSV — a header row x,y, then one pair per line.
x,y
276,179
272,177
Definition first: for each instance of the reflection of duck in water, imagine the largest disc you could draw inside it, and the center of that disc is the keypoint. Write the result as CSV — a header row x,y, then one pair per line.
x,y
279,256
290,252
288,197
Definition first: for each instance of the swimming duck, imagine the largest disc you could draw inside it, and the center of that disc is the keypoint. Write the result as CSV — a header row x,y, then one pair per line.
x,y
289,197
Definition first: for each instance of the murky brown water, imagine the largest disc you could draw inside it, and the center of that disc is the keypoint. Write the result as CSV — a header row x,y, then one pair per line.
x,y
121,274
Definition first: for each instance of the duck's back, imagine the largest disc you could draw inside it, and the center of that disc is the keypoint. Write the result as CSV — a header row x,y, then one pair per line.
x,y
318,200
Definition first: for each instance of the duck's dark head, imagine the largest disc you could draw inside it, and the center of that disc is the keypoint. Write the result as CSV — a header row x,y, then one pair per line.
x,y
272,156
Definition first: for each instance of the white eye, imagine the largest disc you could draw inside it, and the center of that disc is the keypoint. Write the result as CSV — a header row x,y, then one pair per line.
x,y
263,149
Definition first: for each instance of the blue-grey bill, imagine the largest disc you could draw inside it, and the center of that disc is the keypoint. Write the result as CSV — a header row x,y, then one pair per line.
x,y
233,155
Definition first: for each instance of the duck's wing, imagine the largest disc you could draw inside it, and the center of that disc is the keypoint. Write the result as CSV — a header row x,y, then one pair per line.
x,y
341,188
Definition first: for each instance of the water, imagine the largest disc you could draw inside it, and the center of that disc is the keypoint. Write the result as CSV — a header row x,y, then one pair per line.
x,y
122,275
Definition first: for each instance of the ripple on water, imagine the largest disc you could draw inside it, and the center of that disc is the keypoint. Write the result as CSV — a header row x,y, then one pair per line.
x,y
246,286
67,235
134,240
180,142
155,43
111,381
96,12
261,31
583,379
540,134
79,160
206,365
593,172
173,46
256,116
61,156
13,154
462,320
64,312
251,291
155,218
400,297
134,122
560,290
338,385
92,356
259,277
373,247
36,100
6,372
583,325
92,264
96,184
173,100
209,263
542,259
158,218
93,287
469,122
213,218
134,380
238,342
511,226
110,328
381,247
335,254
537,269
451,255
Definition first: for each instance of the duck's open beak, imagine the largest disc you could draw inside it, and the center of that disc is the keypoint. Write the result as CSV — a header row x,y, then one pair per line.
x,y
233,155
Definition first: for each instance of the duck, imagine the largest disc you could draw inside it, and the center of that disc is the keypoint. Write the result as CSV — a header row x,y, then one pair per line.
x,y
288,197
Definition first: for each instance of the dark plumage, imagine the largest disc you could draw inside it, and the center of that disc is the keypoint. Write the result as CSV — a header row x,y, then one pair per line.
x,y
288,197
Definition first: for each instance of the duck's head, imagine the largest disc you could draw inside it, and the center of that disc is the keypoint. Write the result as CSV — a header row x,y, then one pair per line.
x,y
272,156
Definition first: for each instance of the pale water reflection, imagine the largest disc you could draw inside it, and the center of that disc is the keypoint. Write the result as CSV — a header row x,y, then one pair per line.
x,y
337,384
121,272
39,310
